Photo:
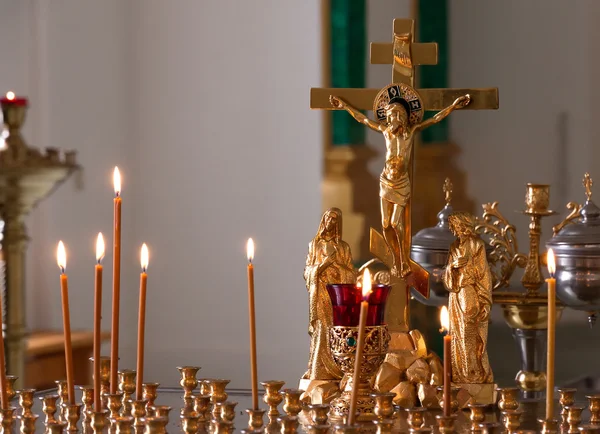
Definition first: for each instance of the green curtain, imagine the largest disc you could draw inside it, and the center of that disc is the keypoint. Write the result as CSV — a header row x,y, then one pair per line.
x,y
348,51
432,24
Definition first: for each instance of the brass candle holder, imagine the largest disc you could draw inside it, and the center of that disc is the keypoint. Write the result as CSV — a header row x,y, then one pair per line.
x,y
346,429
217,395
72,415
188,382
124,424
127,388
342,342
512,419
63,393
155,425
49,407
292,405
162,411
104,379
588,429
204,386
289,424
138,411
150,393
11,392
566,398
477,414
272,397
317,429
549,426
7,421
223,427
202,407
26,401
509,398
98,422
55,427
319,413
255,418
574,417
115,403
454,403
594,407
228,410
28,422
87,399
415,417
189,423
384,426
446,424
384,405
27,175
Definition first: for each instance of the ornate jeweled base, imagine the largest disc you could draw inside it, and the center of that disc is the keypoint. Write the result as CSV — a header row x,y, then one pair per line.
x,y
343,341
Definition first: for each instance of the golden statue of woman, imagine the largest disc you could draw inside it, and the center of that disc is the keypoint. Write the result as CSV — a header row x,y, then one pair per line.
x,y
469,280
399,114
329,260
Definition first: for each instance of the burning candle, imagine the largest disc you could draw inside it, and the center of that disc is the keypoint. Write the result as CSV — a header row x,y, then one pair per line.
x,y
97,319
61,259
362,322
251,315
551,332
10,98
114,341
141,322
445,321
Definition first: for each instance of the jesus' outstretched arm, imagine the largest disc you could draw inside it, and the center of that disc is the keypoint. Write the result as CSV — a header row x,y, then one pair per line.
x,y
458,103
340,103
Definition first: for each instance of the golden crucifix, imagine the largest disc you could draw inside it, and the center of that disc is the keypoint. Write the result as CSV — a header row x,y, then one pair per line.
x,y
393,104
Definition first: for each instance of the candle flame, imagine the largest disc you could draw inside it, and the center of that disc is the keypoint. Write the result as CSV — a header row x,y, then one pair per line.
x,y
10,95
61,256
551,263
117,181
144,256
366,284
445,319
250,249
99,247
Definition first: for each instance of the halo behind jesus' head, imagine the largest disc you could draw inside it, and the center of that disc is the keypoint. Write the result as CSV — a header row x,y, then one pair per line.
x,y
399,93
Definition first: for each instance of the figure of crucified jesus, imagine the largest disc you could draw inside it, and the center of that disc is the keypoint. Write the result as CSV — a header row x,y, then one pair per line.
x,y
395,183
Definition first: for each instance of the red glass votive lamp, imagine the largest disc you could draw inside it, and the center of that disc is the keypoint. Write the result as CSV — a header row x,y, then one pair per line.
x,y
346,299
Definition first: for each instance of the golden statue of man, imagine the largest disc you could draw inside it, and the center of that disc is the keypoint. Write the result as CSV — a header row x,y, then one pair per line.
x,y
469,280
399,112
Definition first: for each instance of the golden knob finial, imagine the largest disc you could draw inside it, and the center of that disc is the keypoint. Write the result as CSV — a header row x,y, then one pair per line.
x,y
588,183
448,190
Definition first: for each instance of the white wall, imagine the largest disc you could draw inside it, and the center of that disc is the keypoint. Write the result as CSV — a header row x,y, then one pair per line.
x,y
205,107
541,55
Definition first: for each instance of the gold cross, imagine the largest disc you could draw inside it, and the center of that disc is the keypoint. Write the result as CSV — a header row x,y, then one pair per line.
x,y
403,54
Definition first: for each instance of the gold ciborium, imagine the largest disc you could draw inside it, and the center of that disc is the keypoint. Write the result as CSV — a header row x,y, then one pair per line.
x,y
343,342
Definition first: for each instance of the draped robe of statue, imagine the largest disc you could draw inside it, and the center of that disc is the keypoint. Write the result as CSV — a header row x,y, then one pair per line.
x,y
321,365
469,306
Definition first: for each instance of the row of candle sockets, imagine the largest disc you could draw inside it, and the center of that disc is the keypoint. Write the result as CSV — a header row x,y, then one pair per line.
x,y
197,408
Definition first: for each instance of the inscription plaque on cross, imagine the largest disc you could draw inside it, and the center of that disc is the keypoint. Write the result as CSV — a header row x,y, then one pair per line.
x,y
403,54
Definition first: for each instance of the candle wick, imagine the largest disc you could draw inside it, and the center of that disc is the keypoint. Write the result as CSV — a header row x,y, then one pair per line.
x,y
62,270
117,193
143,269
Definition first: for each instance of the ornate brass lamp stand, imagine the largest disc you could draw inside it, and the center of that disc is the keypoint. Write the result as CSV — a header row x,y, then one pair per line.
x,y
27,175
524,312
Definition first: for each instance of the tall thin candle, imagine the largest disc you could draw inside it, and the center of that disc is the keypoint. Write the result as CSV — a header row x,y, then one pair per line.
x,y
360,345
141,323
97,319
116,300
61,259
3,384
447,395
551,336
251,315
